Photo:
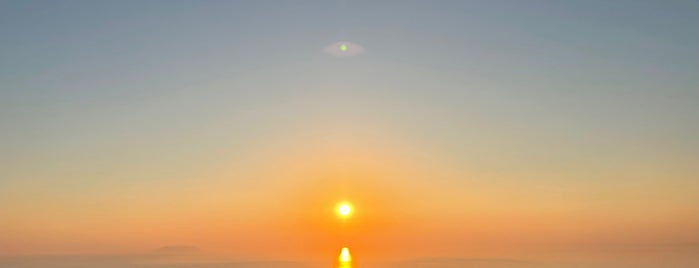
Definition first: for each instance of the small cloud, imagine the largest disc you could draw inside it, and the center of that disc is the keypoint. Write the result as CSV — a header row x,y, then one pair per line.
x,y
343,49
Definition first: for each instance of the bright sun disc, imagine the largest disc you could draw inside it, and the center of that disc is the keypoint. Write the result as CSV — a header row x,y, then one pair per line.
x,y
344,210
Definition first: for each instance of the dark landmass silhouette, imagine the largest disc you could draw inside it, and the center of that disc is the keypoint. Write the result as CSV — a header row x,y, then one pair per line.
x,y
130,261
463,263
177,250
177,256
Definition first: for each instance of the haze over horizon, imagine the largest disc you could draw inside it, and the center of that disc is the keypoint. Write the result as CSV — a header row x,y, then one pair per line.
x,y
463,133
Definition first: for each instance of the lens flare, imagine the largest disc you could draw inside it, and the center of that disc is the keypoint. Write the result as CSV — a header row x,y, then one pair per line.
x,y
344,49
345,256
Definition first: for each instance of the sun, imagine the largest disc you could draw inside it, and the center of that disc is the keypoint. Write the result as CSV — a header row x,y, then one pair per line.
x,y
344,209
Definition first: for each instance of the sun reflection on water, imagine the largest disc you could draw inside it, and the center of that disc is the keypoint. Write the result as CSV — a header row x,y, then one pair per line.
x,y
345,258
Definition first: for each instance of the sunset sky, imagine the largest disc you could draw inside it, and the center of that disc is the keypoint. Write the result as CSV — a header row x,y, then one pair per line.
x,y
552,133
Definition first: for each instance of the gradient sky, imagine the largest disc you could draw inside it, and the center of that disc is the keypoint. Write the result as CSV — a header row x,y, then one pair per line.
x,y
553,131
